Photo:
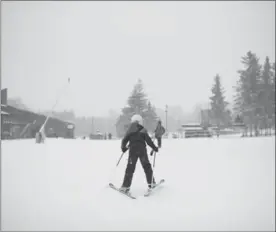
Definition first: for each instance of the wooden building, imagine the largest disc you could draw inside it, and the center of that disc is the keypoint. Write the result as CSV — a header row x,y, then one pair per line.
x,y
18,123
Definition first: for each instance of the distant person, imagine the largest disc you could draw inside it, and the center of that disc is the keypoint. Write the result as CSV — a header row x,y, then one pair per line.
x,y
138,137
109,136
40,136
218,131
159,132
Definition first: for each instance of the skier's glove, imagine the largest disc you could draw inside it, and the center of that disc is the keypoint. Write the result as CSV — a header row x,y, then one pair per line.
x,y
154,150
124,149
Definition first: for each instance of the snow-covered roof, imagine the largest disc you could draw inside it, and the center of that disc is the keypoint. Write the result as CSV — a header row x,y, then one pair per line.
x,y
193,128
69,122
193,124
3,112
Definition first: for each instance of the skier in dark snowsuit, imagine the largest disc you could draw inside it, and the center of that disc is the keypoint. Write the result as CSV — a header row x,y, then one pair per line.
x,y
138,137
159,131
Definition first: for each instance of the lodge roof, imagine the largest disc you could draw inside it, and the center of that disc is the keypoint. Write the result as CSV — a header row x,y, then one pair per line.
x,y
10,110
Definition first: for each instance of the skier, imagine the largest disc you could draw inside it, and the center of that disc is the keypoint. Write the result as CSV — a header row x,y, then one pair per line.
x,y
138,137
159,131
39,137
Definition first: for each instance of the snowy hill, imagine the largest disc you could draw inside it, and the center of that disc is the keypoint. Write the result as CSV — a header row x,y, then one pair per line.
x,y
211,184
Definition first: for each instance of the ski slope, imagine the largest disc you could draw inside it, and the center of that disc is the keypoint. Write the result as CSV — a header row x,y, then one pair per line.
x,y
211,184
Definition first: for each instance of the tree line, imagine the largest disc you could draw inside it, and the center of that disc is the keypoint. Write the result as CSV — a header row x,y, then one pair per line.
x,y
254,99
254,103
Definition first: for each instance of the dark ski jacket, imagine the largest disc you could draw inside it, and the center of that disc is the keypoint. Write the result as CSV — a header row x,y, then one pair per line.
x,y
159,131
138,137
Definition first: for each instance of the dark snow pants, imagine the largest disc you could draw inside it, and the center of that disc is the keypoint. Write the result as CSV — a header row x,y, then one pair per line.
x,y
159,141
134,154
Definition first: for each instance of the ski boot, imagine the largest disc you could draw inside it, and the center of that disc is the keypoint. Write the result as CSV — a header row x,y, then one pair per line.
x,y
152,186
124,189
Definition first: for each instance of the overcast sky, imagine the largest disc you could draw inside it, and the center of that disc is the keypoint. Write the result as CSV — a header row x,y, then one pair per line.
x,y
176,48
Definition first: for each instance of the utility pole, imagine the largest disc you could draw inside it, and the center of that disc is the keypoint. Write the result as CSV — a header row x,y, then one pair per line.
x,y
92,125
166,110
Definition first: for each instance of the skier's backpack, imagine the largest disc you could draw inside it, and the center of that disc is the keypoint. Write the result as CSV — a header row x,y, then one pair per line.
x,y
160,130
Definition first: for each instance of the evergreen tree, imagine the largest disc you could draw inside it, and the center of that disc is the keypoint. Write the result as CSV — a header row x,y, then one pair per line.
x,y
273,83
137,103
218,103
246,102
150,117
238,100
265,98
121,125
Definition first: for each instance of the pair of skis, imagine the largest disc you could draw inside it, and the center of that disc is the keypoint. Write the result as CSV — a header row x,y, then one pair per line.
x,y
128,194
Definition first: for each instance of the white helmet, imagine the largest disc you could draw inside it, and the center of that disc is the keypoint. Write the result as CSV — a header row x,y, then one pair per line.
x,y
137,118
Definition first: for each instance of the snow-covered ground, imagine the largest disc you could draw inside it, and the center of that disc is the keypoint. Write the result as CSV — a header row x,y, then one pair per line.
x,y
211,184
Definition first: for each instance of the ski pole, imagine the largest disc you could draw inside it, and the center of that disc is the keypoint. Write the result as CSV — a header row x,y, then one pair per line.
x,y
121,156
120,159
152,149
113,172
153,167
